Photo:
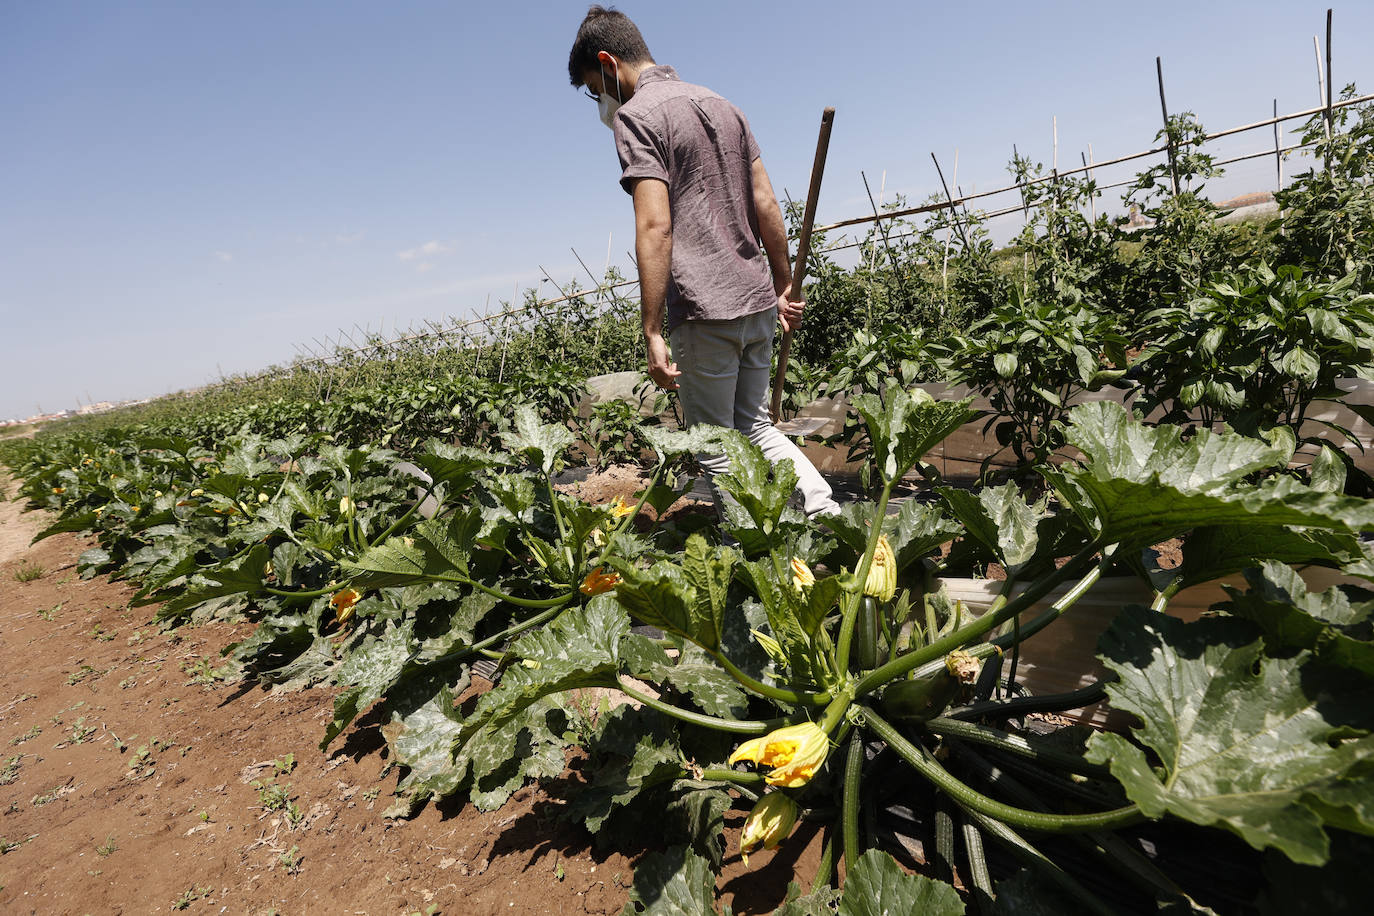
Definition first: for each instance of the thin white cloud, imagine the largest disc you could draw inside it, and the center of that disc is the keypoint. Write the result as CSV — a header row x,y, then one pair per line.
x,y
424,266
428,249
349,238
224,256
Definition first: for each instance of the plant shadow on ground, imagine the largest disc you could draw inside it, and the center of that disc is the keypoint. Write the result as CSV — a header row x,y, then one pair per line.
x,y
364,738
763,889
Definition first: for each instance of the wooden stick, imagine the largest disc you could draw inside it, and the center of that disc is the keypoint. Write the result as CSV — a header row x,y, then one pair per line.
x,y
1169,143
951,202
1278,156
803,252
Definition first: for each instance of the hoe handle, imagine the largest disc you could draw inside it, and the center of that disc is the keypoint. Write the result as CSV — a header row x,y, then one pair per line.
x,y
803,251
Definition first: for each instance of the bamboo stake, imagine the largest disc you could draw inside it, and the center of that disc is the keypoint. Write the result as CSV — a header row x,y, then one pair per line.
x,y
1330,83
1321,80
1092,194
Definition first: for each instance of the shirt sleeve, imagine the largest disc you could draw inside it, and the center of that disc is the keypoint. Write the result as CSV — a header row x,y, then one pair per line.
x,y
641,150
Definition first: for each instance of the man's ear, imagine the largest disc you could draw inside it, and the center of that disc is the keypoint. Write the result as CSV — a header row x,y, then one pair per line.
x,y
607,59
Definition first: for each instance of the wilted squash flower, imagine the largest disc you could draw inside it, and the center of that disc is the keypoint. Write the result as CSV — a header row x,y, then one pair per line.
x,y
343,602
346,505
197,492
795,753
768,824
599,581
802,577
963,666
882,572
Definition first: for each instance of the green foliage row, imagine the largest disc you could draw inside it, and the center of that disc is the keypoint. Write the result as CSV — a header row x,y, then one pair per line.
x,y
795,645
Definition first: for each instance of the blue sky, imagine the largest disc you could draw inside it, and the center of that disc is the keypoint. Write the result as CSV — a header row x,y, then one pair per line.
x,y
192,188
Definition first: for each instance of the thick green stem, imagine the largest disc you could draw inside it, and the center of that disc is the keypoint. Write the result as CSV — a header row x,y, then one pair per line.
x,y
507,633
826,869
794,697
735,726
314,593
562,526
932,653
926,764
1163,598
853,768
510,599
1019,706
735,776
835,713
851,611
1037,751
409,513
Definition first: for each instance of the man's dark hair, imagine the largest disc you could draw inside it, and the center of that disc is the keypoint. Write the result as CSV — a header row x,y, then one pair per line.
x,y
605,30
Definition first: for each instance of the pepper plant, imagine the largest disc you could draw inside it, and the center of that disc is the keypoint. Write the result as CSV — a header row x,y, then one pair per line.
x,y
1029,358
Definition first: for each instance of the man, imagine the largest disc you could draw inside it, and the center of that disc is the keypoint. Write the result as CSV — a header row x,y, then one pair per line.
x,y
703,203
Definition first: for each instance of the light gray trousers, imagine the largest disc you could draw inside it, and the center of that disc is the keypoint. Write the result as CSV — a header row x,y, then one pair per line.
x,y
725,369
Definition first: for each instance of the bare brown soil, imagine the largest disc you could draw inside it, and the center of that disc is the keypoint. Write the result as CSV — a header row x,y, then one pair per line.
x,y
131,781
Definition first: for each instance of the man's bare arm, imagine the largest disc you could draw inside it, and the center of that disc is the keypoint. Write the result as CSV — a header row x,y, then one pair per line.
x,y
773,233
654,252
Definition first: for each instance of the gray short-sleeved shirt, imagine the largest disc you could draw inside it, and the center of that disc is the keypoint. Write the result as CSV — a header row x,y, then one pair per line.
x,y
701,146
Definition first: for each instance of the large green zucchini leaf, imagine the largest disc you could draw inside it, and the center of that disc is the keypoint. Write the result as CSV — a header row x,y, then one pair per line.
x,y
1260,746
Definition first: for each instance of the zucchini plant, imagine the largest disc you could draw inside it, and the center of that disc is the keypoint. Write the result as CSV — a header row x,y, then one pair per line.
x,y
819,656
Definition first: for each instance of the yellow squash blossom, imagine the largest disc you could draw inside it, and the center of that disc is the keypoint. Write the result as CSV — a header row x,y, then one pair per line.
x,y
599,581
768,824
795,753
346,505
802,577
882,572
619,508
343,602
59,490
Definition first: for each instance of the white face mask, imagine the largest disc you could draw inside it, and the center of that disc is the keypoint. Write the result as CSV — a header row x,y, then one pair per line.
x,y
605,105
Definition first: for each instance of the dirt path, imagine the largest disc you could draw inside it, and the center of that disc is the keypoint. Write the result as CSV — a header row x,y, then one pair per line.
x,y
132,781
17,527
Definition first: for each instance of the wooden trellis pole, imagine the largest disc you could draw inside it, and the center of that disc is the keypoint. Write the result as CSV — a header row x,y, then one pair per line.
x,y
1168,137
